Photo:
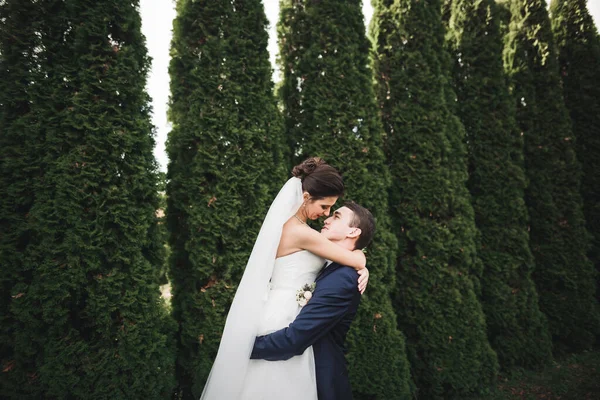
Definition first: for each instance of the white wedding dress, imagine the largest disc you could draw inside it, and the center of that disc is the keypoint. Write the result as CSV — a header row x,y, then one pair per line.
x,y
294,378
260,308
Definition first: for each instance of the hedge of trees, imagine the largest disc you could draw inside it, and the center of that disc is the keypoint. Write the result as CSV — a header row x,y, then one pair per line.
x,y
82,315
578,48
225,144
559,241
438,270
469,128
516,328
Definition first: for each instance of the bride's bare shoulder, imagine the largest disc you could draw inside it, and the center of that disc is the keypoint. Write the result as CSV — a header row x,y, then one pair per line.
x,y
293,228
291,236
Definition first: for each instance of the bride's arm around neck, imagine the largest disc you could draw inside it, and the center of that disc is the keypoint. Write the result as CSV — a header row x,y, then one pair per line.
x,y
296,237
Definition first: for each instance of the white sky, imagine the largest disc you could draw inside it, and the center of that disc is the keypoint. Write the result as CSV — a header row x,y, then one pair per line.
x,y
157,17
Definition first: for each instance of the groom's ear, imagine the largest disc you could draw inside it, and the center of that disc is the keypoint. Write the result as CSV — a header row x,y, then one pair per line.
x,y
354,233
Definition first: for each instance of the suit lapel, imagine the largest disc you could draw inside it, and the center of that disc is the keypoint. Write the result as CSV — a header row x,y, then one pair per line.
x,y
327,270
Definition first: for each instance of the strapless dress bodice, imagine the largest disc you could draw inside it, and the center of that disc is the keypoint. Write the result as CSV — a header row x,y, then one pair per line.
x,y
295,270
290,273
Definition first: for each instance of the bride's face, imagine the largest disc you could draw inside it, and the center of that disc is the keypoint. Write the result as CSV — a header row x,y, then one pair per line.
x,y
319,208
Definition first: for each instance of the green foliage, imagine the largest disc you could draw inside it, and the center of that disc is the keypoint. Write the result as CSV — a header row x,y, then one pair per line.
x,y
85,315
516,328
558,239
438,270
578,47
225,166
331,112
20,139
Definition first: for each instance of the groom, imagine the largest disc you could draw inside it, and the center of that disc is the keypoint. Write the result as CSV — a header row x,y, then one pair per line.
x,y
324,322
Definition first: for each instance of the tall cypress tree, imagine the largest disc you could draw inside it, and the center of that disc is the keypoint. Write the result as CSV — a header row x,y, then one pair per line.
x,y
20,140
89,321
225,165
516,328
331,112
438,270
564,276
578,47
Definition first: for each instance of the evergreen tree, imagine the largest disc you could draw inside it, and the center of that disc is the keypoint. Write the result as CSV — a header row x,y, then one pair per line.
x,y
331,112
225,167
20,139
438,270
163,251
563,275
88,318
578,47
516,328
503,17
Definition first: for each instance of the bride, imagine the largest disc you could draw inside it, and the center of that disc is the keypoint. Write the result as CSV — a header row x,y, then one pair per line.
x,y
287,255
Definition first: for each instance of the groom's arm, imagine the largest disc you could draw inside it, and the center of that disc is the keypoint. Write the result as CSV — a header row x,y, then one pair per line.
x,y
325,309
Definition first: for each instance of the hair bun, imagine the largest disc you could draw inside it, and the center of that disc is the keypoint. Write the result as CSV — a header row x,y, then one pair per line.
x,y
307,167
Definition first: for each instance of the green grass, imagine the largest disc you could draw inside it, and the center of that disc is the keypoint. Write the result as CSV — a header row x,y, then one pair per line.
x,y
576,377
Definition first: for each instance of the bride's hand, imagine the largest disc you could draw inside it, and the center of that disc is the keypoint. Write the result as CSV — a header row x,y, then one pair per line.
x,y
363,279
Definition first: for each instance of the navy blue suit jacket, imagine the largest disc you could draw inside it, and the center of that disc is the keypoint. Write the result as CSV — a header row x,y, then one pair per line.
x,y
323,323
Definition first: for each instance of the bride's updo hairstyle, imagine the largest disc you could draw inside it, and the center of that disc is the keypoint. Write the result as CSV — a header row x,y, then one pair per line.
x,y
319,179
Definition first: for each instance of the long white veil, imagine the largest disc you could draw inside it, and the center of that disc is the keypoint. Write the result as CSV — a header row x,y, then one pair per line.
x,y
228,372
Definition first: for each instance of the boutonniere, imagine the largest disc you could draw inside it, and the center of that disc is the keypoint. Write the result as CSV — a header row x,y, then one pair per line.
x,y
304,294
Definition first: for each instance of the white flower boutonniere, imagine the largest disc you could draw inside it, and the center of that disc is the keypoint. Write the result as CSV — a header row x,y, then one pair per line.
x,y
304,294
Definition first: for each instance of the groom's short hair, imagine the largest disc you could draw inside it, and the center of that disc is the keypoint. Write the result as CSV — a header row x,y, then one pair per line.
x,y
364,220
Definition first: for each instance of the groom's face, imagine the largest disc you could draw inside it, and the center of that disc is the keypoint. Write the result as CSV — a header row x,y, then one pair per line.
x,y
337,227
